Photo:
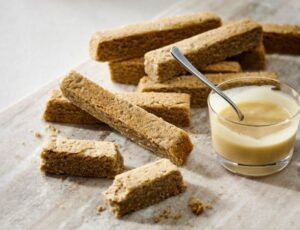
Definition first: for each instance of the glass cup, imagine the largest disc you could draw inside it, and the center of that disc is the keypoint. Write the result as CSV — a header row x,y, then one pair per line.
x,y
254,149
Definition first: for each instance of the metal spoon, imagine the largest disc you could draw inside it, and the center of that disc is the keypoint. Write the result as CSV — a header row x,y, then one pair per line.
x,y
189,67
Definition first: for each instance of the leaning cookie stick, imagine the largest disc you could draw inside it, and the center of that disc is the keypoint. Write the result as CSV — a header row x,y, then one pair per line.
x,y
142,127
204,49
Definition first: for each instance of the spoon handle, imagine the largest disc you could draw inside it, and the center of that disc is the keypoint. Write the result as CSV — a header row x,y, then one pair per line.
x,y
189,67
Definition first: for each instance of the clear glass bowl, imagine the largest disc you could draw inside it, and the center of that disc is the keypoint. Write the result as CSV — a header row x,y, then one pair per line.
x,y
251,149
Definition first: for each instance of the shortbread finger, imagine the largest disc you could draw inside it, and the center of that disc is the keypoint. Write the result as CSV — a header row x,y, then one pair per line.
x,y
204,49
132,70
81,158
60,109
222,67
253,59
137,124
172,107
135,40
282,39
128,71
144,186
193,86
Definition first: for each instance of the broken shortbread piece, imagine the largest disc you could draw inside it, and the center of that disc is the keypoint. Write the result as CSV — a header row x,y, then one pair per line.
x,y
144,186
135,40
132,70
283,39
37,134
172,107
204,49
100,209
81,158
137,124
193,86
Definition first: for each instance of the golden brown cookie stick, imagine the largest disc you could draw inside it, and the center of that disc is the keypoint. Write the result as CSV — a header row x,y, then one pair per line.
x,y
132,70
193,86
281,38
204,49
172,107
253,59
144,186
60,109
81,158
128,71
135,40
137,124
222,67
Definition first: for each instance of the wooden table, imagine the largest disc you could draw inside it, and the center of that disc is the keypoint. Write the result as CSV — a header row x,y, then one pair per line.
x,y
31,200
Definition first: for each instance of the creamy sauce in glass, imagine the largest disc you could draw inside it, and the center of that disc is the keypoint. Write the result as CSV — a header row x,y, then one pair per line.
x,y
256,113
264,136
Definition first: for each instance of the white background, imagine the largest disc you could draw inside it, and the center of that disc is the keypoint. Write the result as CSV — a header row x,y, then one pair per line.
x,y
42,39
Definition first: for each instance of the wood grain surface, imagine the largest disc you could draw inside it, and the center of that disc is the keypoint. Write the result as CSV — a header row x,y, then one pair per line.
x,y
31,200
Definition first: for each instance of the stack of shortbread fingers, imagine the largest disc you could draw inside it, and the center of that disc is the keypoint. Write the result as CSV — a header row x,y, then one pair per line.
x,y
151,117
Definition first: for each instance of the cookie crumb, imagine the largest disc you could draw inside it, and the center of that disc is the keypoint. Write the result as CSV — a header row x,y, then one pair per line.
x,y
100,209
52,130
208,206
197,206
177,215
166,214
194,130
38,134
156,219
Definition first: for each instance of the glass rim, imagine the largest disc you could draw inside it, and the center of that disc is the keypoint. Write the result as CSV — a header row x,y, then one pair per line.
x,y
252,125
